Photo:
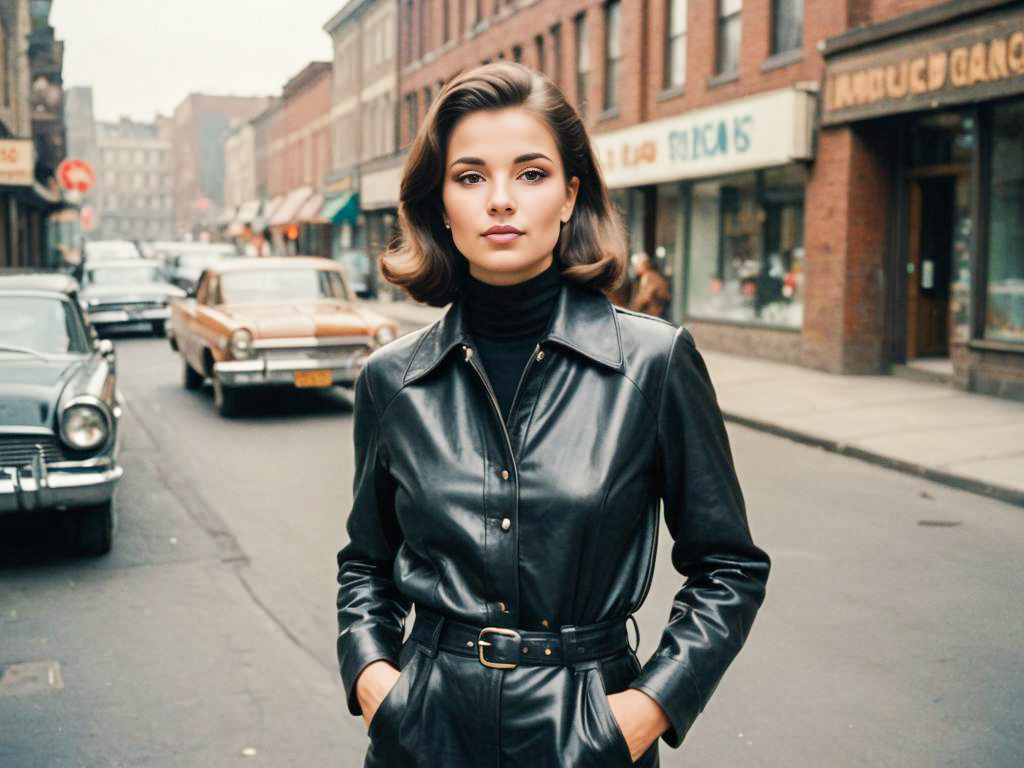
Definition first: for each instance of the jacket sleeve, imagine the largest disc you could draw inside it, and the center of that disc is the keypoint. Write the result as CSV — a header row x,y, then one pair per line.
x,y
371,611
725,574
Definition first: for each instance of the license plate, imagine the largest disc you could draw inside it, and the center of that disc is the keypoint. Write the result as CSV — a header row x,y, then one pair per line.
x,y
313,379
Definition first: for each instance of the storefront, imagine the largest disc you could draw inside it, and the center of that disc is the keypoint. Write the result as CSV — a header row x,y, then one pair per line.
x,y
715,198
942,107
378,202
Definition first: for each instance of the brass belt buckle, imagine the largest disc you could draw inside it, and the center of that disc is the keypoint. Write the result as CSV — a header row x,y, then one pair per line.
x,y
481,643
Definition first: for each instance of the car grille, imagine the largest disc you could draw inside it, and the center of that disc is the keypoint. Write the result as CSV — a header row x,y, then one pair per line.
x,y
115,306
314,353
19,450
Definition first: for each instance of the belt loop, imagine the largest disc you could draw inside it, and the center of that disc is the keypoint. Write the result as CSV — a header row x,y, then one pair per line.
x,y
568,637
435,637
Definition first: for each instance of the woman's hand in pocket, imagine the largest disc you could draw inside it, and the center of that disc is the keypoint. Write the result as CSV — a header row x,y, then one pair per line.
x,y
640,719
373,685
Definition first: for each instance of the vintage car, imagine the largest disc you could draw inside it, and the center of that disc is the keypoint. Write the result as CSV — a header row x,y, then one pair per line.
x,y
111,249
184,262
127,292
59,408
288,321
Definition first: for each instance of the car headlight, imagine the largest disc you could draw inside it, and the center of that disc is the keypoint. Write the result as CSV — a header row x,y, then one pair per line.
x,y
383,335
240,344
83,427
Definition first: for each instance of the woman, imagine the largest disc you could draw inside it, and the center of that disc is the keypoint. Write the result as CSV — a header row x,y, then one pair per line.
x,y
510,460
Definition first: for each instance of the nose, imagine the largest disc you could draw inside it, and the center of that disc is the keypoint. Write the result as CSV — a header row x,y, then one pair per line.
x,y
501,201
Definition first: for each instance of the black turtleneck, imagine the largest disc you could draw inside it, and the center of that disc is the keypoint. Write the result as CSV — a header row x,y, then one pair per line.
x,y
506,322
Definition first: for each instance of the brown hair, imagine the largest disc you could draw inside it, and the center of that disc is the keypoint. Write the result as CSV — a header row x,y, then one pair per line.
x,y
591,249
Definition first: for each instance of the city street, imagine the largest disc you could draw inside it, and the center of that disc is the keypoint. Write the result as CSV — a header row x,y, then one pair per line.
x,y
890,636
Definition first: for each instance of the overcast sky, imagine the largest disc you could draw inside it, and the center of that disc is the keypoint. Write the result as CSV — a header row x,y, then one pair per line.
x,y
144,56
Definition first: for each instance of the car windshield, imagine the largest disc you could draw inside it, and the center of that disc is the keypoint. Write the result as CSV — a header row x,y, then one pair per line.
x,y
279,285
200,261
122,275
40,324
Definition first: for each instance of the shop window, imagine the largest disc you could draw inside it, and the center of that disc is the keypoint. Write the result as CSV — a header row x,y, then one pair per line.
x,y
582,60
727,47
787,25
1004,318
612,53
675,44
747,248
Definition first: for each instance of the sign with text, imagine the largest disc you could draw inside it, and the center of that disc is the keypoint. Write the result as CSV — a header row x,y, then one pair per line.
x,y
970,61
757,132
17,160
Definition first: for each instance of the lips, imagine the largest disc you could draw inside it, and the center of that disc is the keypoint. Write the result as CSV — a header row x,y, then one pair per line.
x,y
502,234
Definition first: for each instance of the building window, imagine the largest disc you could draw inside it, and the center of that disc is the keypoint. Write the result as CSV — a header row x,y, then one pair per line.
x,y
556,54
412,118
406,47
517,54
612,53
428,98
1004,316
424,23
582,60
446,19
787,25
538,44
727,48
746,248
675,44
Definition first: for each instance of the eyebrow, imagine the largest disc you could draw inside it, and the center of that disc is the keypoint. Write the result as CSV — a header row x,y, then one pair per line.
x,y
521,159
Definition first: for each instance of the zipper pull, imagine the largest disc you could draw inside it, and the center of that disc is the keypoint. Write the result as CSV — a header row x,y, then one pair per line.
x,y
468,350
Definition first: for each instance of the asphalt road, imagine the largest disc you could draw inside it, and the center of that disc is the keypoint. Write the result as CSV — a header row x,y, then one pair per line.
x,y
891,635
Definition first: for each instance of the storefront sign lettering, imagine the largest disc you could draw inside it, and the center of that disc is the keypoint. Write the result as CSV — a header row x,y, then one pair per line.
x,y
967,63
17,158
710,139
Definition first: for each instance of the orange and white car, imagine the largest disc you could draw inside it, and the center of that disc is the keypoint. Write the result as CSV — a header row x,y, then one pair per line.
x,y
273,321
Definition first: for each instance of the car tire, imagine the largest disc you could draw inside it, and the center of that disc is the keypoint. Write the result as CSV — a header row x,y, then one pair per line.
x,y
159,328
191,378
96,526
225,399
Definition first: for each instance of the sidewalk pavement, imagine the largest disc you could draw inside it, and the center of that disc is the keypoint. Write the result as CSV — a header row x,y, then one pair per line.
x,y
966,440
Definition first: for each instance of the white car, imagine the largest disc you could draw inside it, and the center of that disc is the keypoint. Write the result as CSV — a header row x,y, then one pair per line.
x,y
111,249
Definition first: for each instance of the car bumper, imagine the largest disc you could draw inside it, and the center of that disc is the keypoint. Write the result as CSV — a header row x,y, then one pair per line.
x,y
40,487
253,373
121,317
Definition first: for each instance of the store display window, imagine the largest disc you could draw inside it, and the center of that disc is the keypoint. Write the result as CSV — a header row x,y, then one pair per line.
x,y
1004,316
746,249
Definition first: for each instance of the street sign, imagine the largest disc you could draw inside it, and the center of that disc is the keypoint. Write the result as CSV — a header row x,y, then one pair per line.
x,y
76,174
17,159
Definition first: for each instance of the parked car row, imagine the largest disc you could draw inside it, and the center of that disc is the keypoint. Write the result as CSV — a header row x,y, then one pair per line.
x,y
60,408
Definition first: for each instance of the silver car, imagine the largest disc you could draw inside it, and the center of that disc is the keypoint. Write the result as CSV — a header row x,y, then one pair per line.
x,y
127,292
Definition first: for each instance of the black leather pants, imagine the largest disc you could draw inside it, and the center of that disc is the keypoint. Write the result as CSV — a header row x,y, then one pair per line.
x,y
447,709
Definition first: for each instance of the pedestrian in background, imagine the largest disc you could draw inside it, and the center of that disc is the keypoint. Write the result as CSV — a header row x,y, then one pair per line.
x,y
510,463
651,292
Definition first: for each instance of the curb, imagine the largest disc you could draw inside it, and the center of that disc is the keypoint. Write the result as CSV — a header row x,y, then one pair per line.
x,y
998,492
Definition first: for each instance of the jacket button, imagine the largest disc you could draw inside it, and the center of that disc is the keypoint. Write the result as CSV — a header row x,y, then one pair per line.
x,y
547,651
506,524
540,355
504,474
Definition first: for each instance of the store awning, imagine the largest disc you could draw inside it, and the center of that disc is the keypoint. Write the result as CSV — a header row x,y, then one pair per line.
x,y
309,212
247,211
291,205
260,222
343,207
227,215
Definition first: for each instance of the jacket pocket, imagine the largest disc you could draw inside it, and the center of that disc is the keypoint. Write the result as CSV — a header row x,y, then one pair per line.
x,y
397,694
617,750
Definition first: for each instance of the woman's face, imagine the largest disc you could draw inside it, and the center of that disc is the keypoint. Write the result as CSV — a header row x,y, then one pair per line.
x,y
503,172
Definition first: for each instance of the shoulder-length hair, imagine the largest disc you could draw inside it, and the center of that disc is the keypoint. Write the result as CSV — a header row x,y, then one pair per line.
x,y
591,249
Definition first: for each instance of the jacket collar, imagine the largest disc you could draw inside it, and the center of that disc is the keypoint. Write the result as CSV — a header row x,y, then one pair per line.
x,y
583,321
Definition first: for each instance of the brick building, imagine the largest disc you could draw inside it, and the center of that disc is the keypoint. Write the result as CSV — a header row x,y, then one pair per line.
x,y
201,123
298,156
786,223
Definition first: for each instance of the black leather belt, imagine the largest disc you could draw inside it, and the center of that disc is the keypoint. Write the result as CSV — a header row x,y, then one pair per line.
x,y
504,648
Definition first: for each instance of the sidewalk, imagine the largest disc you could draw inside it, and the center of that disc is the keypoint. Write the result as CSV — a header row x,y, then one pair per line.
x,y
969,441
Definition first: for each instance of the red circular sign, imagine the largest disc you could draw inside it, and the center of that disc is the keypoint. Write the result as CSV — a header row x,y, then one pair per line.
x,y
76,174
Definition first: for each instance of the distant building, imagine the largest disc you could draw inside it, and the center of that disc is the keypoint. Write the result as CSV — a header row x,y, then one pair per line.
x,y
80,123
133,198
201,123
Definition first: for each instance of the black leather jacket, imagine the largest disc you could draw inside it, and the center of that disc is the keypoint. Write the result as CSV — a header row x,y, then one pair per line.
x,y
551,519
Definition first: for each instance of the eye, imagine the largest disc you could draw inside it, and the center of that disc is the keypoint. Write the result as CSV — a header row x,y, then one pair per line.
x,y
470,178
532,174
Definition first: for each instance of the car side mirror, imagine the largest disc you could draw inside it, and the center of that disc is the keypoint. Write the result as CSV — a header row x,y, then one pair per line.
x,y
105,347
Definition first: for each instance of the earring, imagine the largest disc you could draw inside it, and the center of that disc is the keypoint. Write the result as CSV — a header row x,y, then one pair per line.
x,y
447,225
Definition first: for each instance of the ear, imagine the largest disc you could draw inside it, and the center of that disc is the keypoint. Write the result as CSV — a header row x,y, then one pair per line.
x,y
571,190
